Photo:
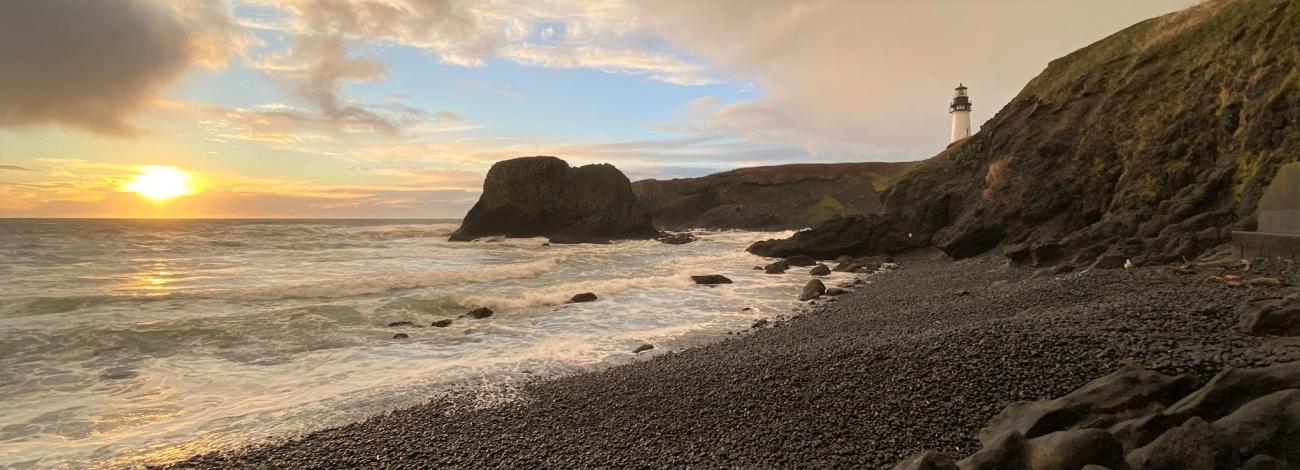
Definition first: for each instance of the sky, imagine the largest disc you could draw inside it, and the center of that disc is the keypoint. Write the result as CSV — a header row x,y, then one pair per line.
x,y
397,108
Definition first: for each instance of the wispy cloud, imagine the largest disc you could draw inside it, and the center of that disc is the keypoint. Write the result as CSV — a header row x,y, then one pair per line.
x,y
14,168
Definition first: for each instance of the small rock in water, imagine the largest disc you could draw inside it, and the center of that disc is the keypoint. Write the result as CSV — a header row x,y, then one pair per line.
x,y
479,313
118,373
833,291
401,336
583,297
711,279
642,348
758,268
820,270
776,267
746,309
675,238
800,260
762,322
442,323
812,290
400,323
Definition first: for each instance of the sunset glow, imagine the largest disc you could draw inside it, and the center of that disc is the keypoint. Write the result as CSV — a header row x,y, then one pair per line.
x,y
161,183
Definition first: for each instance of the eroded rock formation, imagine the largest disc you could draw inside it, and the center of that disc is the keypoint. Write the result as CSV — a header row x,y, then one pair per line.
x,y
544,197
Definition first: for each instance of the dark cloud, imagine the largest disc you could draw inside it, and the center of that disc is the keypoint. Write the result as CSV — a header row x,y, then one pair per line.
x,y
87,64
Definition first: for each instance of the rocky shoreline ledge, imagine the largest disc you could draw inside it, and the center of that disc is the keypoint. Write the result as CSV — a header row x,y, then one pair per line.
x,y
918,358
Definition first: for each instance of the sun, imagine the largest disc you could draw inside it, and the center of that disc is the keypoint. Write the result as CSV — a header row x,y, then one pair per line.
x,y
160,183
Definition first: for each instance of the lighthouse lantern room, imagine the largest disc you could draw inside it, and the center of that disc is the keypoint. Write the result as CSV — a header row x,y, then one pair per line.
x,y
960,110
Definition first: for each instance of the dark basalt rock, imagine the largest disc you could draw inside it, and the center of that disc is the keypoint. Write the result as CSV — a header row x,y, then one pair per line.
x,y
642,348
820,270
441,323
711,279
675,238
1278,317
776,267
1108,175
812,290
544,197
478,313
401,336
583,297
1135,419
400,323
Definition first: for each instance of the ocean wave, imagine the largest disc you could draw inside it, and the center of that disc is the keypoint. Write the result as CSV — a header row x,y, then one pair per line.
x,y
556,294
375,284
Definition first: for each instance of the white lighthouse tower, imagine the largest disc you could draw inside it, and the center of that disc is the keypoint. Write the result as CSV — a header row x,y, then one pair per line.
x,y
960,110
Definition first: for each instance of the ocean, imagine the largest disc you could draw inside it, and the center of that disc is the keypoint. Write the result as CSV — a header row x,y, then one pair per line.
x,y
135,341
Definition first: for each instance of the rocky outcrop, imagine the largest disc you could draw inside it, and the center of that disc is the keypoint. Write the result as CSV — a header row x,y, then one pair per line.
x,y
1150,145
777,197
544,197
1271,316
1139,419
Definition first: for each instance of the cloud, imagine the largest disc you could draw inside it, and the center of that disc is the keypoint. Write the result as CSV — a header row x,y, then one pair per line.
x,y
14,168
834,74
666,68
91,64
317,67
606,35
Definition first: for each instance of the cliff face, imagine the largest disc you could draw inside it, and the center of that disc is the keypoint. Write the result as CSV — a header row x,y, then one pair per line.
x,y
1152,144
544,197
769,197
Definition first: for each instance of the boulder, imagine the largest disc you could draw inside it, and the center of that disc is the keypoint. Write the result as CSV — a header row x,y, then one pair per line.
x,y
813,289
1268,425
927,460
441,323
583,297
1070,450
834,291
1192,446
1003,452
776,267
544,197
478,313
711,279
642,348
1122,394
1275,317
820,270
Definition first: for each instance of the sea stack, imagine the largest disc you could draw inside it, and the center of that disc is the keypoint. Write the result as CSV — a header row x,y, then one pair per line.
x,y
545,197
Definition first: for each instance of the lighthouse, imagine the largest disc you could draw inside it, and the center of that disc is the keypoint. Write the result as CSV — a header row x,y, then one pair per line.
x,y
960,110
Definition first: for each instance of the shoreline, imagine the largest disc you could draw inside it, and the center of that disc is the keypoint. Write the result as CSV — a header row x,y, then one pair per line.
x,y
903,364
